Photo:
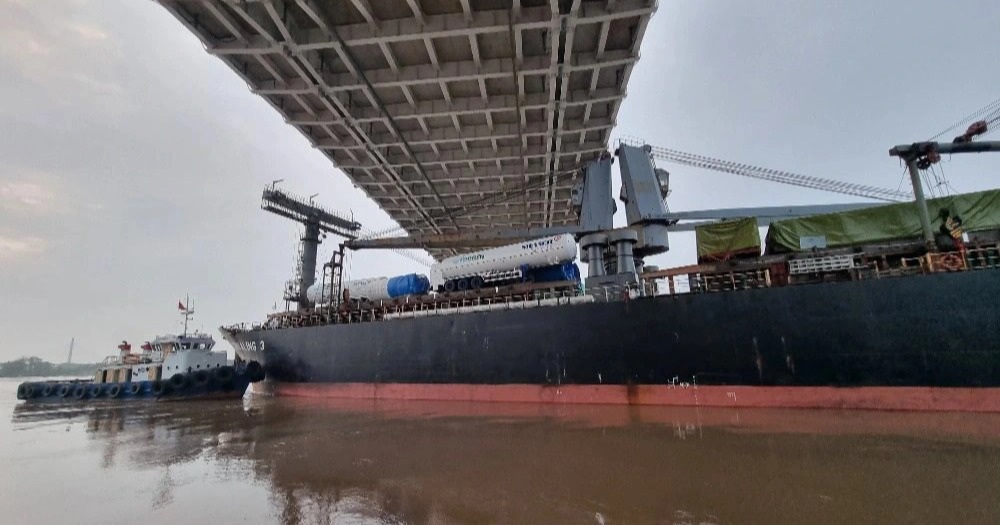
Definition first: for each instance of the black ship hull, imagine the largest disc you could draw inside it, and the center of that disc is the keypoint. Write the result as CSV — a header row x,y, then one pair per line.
x,y
926,342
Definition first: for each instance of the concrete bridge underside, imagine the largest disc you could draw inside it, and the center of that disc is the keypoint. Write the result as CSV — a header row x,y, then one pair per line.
x,y
453,115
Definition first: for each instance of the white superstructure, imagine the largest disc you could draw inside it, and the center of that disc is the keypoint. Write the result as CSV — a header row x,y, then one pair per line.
x,y
164,356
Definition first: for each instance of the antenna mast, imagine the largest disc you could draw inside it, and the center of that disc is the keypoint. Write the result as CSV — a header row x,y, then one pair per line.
x,y
188,313
69,358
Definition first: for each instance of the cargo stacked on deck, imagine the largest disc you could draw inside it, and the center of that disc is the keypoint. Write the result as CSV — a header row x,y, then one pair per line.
x,y
372,289
540,260
732,239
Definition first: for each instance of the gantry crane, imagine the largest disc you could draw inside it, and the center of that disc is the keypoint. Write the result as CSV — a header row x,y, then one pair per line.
x,y
315,219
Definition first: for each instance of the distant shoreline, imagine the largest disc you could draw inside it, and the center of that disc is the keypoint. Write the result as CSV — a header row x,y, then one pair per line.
x,y
37,367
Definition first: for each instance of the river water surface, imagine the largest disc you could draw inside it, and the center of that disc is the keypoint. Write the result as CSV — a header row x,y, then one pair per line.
x,y
291,461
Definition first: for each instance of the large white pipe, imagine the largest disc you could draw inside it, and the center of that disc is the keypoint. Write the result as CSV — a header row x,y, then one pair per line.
x,y
374,288
546,251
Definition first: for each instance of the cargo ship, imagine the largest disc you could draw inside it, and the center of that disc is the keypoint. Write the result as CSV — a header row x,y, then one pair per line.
x,y
841,310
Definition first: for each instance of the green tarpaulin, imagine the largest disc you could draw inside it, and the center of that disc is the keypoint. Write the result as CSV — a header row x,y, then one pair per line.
x,y
722,240
978,211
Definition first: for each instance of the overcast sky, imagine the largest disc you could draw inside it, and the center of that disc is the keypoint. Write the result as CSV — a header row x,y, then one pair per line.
x,y
132,161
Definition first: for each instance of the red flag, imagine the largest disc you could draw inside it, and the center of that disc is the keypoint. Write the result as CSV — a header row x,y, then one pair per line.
x,y
180,306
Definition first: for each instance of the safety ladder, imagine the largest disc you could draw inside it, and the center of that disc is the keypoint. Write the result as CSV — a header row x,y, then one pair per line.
x,y
336,274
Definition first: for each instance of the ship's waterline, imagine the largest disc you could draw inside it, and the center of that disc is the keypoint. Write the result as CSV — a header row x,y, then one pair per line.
x,y
680,395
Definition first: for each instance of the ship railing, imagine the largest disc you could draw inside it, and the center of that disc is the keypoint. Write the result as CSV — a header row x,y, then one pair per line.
x,y
484,304
983,257
693,279
112,360
696,282
970,259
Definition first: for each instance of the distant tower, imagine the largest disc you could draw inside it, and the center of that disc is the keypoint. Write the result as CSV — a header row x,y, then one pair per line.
x,y
69,358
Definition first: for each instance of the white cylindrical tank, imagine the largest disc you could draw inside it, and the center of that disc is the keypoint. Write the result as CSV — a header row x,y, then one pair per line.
x,y
546,251
374,288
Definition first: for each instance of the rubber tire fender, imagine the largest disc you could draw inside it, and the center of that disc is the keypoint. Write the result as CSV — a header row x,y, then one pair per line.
x,y
178,381
24,391
475,282
254,371
223,377
80,392
223,374
160,388
65,390
48,390
95,391
135,388
200,378
114,391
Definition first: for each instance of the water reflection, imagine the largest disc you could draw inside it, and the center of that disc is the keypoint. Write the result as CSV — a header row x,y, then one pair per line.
x,y
325,461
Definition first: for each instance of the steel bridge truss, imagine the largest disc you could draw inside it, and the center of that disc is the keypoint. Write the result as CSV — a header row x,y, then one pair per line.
x,y
431,105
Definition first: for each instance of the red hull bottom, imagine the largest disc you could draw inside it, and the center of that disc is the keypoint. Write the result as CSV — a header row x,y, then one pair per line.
x,y
864,398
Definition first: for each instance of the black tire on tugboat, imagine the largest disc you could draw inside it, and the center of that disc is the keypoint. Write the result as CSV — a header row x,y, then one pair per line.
x,y
178,381
80,392
114,391
65,390
254,371
48,389
200,378
95,391
223,377
22,391
160,388
134,388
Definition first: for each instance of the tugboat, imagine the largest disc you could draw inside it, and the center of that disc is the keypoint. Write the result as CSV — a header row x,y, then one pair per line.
x,y
170,367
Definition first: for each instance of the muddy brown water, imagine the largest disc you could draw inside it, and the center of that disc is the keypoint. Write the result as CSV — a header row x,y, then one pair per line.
x,y
291,461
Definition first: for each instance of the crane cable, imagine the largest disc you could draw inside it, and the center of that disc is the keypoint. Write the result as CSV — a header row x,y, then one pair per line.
x,y
988,117
992,120
785,177
991,110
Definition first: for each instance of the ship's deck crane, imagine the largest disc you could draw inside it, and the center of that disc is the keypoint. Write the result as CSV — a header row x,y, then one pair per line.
x,y
315,219
924,155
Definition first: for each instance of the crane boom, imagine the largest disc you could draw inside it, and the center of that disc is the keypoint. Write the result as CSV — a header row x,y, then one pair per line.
x,y
783,177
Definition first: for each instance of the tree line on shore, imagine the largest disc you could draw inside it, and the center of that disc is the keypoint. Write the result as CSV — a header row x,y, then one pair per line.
x,y
38,367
